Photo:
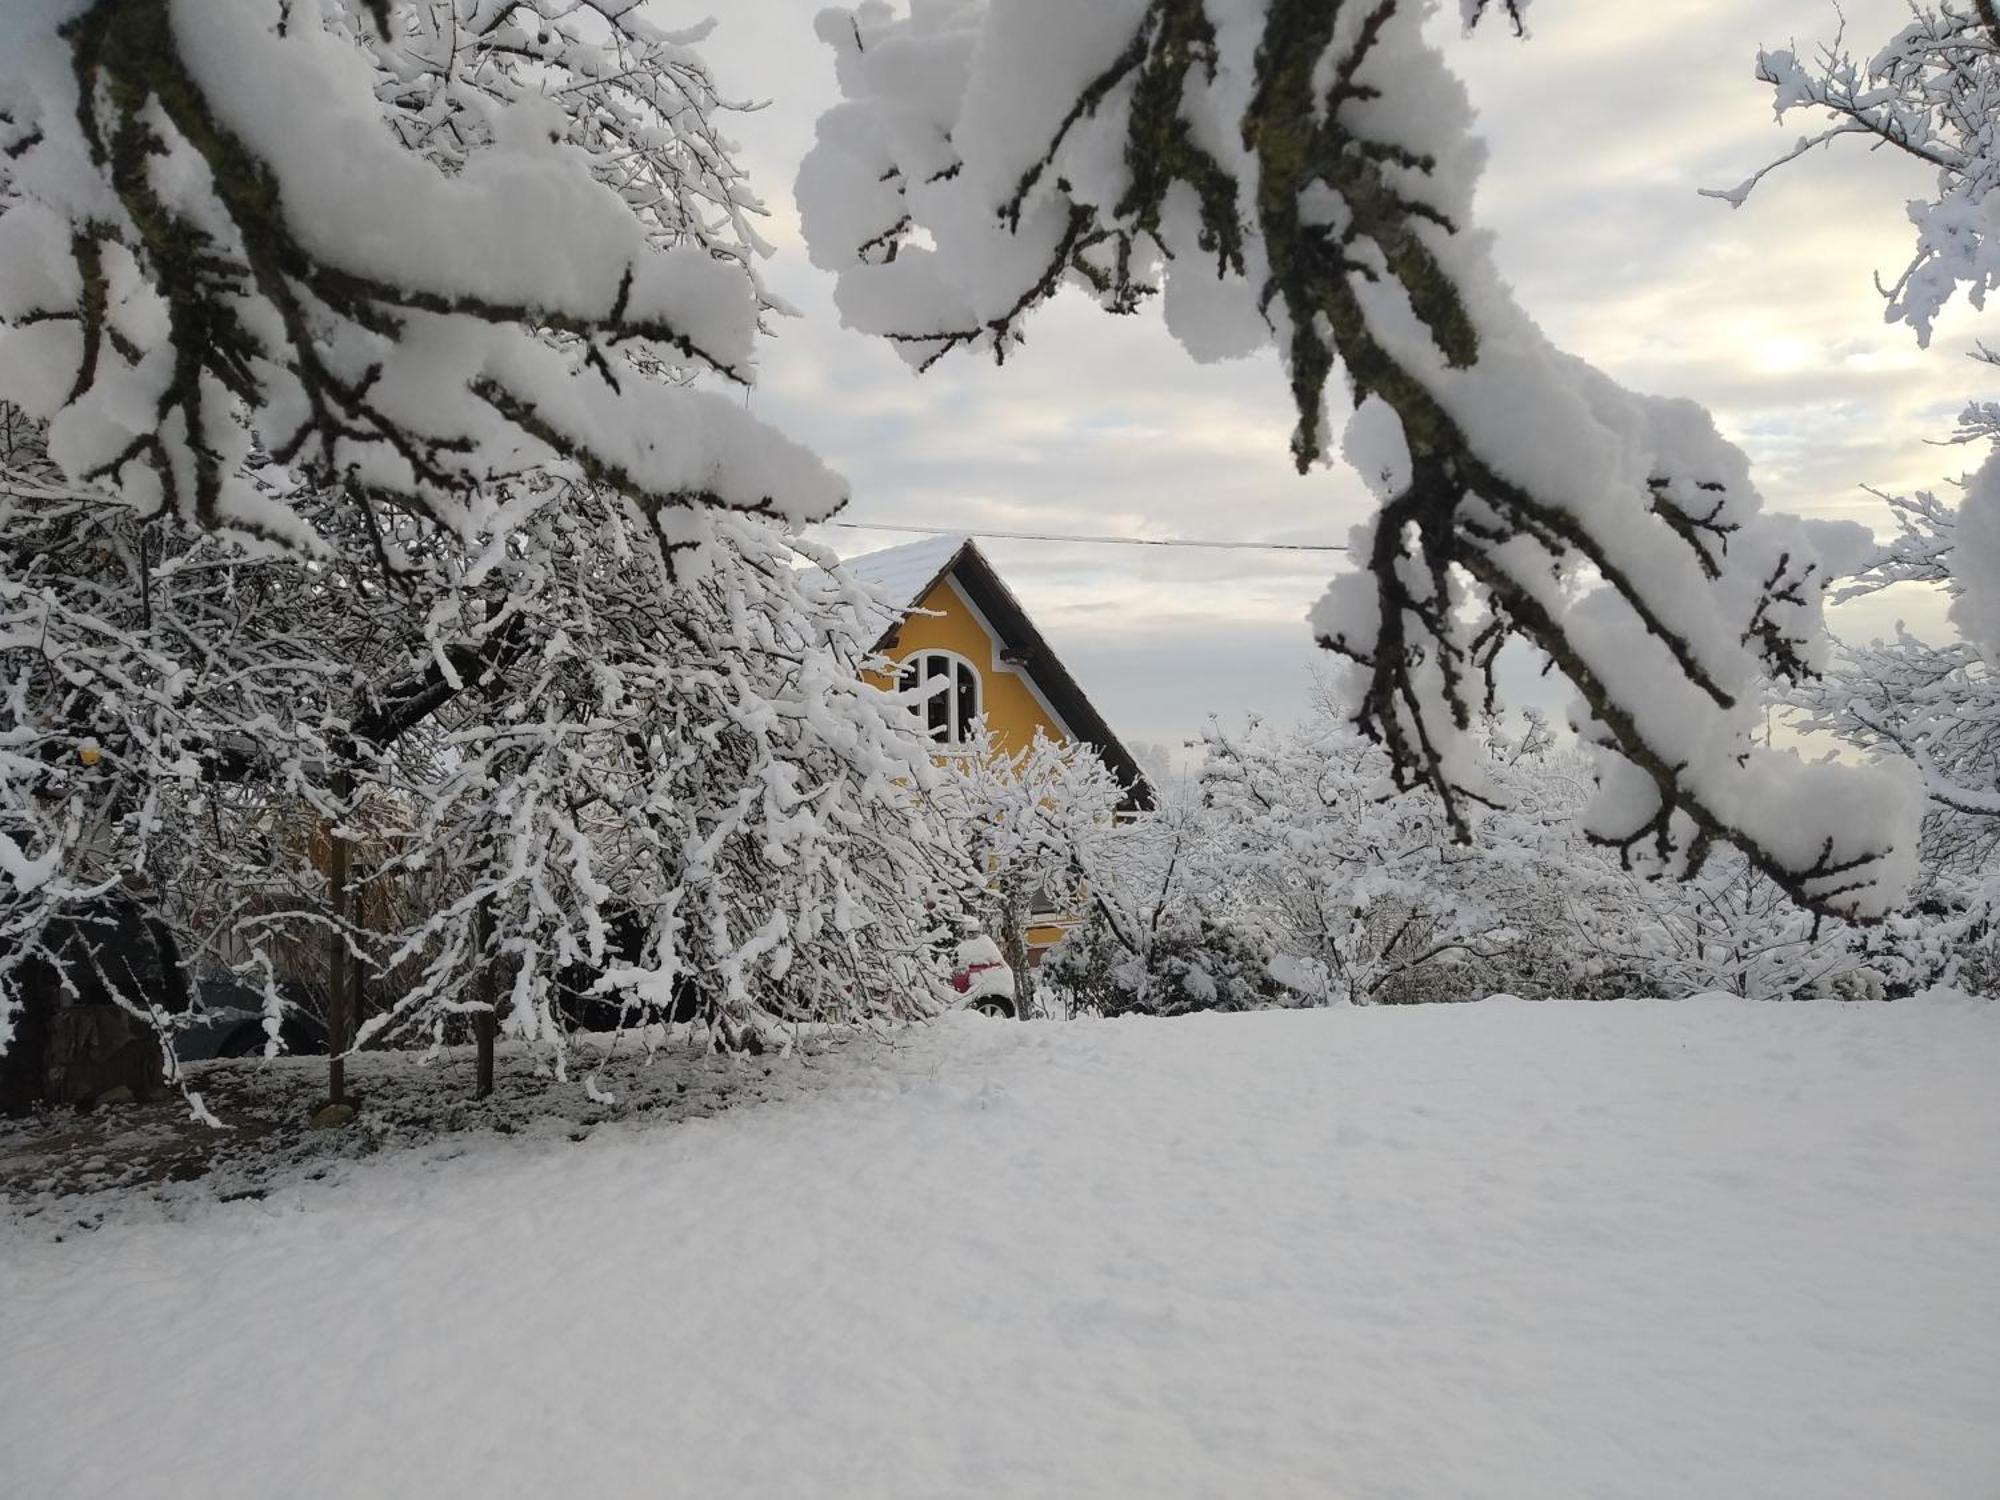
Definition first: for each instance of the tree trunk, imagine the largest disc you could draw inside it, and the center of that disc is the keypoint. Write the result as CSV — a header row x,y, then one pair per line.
x,y
486,1023
1014,948
340,966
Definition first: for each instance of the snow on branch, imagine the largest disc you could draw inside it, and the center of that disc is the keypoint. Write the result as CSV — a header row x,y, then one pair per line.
x,y
1931,93
1300,174
404,250
1474,11
1938,705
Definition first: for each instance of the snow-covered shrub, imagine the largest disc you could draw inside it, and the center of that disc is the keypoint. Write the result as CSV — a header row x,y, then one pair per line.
x,y
1362,883
1948,937
1076,973
159,686
1585,926
1035,820
1162,936
678,777
1195,963
1727,930
1192,962
1368,898
565,747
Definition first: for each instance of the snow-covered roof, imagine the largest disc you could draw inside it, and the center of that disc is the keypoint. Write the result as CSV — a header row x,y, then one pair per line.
x,y
904,573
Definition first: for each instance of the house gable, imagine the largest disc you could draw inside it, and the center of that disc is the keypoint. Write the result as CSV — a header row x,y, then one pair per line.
x,y
946,619
960,605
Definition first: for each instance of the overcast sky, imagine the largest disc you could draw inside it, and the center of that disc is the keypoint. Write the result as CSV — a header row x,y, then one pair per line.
x,y
1601,127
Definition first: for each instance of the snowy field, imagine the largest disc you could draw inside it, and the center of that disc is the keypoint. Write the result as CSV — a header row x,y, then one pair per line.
x,y
1706,1249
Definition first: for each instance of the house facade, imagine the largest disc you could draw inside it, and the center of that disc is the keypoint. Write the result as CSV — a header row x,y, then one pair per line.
x,y
952,617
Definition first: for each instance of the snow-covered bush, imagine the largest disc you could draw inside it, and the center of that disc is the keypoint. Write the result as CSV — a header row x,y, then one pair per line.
x,y
1584,926
1362,883
578,754
1162,936
678,778
1193,961
1727,930
1363,893
1950,937
159,686
1301,174
1076,973
1035,820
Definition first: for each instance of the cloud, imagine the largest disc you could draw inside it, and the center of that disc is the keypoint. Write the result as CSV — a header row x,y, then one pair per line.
x,y
1601,129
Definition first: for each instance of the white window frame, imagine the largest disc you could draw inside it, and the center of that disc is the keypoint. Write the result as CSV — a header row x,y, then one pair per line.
x,y
948,686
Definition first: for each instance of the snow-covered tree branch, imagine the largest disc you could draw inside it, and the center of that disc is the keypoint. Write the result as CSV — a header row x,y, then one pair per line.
x,y
1930,92
1300,175
506,218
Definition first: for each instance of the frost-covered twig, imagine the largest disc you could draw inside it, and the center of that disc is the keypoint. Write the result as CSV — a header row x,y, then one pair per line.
x,y
1931,92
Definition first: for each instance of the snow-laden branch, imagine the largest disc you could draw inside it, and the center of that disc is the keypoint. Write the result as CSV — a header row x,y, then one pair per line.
x,y
1931,92
404,261
1300,174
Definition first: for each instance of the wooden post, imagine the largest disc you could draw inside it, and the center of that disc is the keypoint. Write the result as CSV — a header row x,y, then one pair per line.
x,y
486,1024
340,968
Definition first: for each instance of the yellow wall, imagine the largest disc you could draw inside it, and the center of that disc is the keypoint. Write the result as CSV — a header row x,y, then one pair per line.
x,y
1012,714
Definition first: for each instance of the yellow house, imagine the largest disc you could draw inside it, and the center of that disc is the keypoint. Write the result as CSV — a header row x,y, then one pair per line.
x,y
957,620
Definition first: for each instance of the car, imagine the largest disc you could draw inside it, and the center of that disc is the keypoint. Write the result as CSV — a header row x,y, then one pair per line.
x,y
983,977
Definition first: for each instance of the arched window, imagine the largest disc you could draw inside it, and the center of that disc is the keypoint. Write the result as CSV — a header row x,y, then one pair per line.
x,y
948,689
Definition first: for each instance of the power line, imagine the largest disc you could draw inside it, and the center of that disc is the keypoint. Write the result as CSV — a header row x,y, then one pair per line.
x,y
1103,541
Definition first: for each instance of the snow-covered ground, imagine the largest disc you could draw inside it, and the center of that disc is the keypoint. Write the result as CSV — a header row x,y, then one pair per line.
x,y
1706,1249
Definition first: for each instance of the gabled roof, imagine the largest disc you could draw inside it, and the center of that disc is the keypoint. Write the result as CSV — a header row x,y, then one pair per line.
x,y
906,575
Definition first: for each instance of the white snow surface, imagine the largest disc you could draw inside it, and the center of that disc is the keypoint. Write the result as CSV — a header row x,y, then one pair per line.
x,y
902,573
1637,1249
896,577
